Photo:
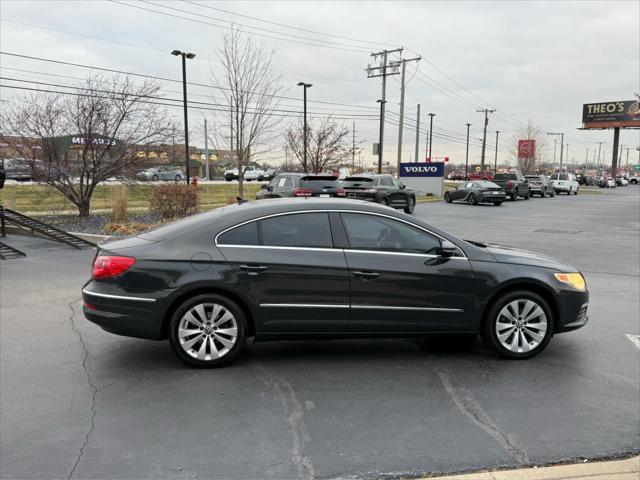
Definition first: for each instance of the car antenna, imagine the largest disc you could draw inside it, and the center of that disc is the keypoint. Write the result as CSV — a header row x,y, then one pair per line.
x,y
241,200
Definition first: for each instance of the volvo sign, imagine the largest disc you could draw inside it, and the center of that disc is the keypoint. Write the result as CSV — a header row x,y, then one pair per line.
x,y
424,178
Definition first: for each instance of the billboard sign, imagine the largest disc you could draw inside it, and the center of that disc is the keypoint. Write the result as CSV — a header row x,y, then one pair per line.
x,y
433,169
526,148
625,113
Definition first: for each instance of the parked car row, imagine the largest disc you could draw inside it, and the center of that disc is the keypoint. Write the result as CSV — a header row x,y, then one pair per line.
x,y
382,189
513,185
251,173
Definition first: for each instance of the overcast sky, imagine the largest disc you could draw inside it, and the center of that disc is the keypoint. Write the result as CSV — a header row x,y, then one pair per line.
x,y
531,61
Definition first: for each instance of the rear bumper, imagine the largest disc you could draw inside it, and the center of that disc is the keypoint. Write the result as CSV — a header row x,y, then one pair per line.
x,y
493,198
131,316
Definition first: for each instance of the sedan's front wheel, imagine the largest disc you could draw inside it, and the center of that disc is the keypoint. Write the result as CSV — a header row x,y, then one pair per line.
x,y
519,325
207,331
411,205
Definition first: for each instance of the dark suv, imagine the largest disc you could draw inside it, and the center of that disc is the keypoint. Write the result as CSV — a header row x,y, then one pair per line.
x,y
383,189
319,186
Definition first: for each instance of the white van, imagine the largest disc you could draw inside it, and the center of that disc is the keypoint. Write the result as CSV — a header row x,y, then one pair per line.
x,y
565,182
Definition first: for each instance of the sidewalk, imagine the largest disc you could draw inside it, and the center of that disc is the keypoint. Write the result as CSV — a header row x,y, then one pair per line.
x,y
628,469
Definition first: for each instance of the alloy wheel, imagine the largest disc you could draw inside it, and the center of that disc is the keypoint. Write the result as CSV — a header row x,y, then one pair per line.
x,y
521,325
207,331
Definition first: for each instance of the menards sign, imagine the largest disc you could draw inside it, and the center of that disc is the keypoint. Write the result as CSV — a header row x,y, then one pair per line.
x,y
625,113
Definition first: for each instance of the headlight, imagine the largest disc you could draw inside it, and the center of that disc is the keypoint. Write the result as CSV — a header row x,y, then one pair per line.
x,y
576,280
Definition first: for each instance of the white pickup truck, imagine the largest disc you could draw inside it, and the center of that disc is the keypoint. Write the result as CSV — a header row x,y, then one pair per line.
x,y
252,172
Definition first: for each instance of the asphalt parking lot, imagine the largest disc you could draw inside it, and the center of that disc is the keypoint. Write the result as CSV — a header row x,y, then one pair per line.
x,y
81,403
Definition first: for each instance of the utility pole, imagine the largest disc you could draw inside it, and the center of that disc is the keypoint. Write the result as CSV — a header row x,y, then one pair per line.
x,y
381,133
555,145
184,56
614,152
561,134
401,123
586,161
495,162
486,112
599,148
353,147
466,163
206,150
431,115
382,72
418,134
567,158
304,132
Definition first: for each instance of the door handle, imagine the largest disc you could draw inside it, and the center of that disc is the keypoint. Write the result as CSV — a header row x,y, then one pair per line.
x,y
253,269
366,275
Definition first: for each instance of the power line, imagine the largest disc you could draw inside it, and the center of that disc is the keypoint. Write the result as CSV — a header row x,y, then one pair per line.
x,y
165,79
352,49
285,25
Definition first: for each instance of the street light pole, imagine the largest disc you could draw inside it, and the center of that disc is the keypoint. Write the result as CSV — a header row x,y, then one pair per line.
x,y
495,162
466,163
184,56
431,115
304,132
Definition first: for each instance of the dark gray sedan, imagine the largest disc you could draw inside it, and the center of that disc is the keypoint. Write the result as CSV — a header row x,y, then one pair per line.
x,y
477,192
325,268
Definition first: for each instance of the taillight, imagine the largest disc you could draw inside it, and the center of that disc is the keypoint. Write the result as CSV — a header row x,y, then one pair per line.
x,y
509,184
105,266
340,192
302,192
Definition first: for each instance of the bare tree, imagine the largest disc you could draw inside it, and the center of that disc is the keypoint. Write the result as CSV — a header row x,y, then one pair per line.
x,y
75,141
327,144
530,132
251,91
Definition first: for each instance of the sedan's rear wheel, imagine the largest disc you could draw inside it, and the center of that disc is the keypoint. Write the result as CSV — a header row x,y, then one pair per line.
x,y
207,331
384,201
447,198
519,325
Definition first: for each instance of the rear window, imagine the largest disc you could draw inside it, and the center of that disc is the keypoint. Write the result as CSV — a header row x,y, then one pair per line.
x,y
505,176
318,182
563,176
355,181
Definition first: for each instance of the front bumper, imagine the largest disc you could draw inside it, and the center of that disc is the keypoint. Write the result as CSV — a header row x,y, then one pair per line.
x,y
573,308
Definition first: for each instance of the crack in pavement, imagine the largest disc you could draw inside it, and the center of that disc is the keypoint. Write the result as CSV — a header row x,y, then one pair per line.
x,y
468,405
295,417
94,389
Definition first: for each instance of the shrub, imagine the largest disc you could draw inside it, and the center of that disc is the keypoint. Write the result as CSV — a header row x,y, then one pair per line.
x,y
119,205
173,200
127,228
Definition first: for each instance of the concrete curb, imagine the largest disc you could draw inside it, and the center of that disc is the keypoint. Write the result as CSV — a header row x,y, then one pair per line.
x,y
628,469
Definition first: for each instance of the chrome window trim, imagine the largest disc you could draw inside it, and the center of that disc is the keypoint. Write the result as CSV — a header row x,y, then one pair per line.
x,y
294,212
274,247
117,297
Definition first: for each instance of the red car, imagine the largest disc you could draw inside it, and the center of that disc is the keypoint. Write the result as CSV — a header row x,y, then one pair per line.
x,y
482,175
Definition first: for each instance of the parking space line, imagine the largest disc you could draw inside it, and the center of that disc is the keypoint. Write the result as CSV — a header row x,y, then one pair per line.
x,y
635,339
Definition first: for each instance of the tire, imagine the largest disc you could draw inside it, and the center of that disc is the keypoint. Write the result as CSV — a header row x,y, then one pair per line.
x,y
576,192
569,192
227,346
552,193
473,200
447,198
497,204
384,201
178,178
155,178
634,181
411,205
535,334
514,195
526,197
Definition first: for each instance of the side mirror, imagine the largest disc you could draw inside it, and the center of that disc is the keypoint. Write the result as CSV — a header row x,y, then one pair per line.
x,y
402,186
447,249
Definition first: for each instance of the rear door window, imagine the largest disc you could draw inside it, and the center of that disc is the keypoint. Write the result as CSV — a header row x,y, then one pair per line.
x,y
297,230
